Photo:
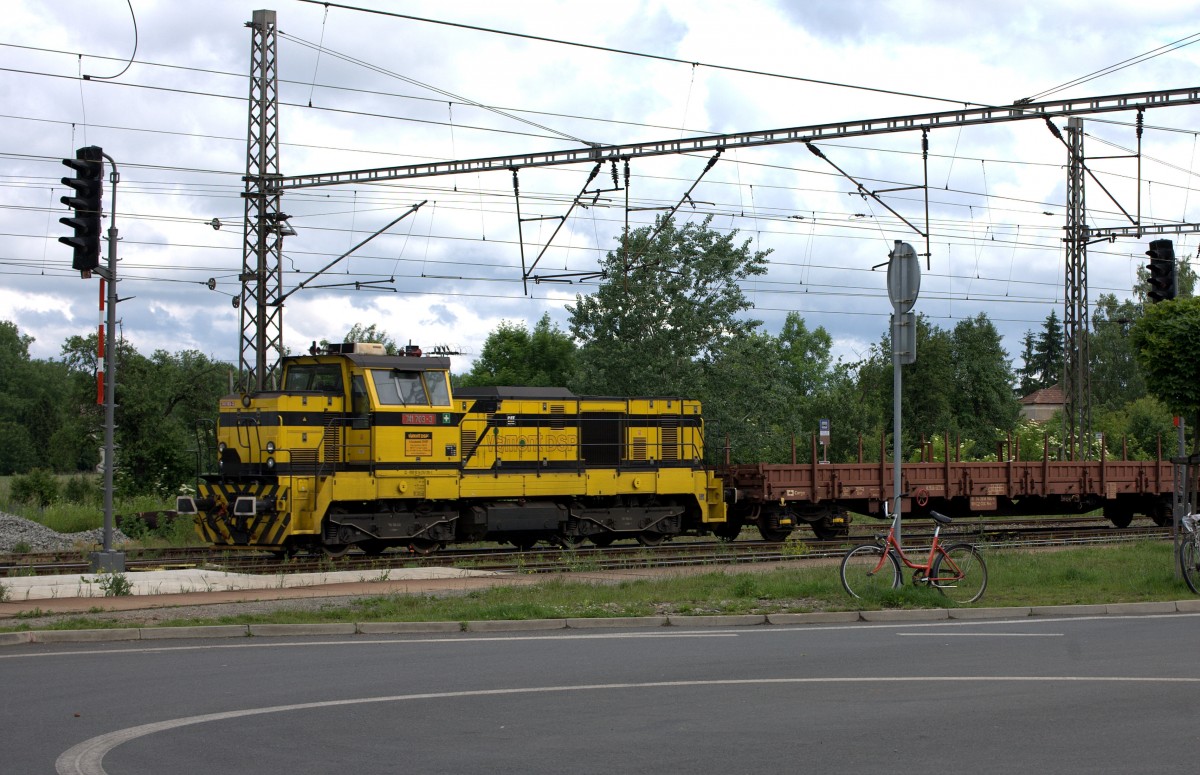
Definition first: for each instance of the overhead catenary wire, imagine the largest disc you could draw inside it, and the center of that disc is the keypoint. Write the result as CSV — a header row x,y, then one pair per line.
x,y
1135,60
643,55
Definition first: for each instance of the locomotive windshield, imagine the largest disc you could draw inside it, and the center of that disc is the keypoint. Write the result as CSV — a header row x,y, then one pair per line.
x,y
397,387
322,377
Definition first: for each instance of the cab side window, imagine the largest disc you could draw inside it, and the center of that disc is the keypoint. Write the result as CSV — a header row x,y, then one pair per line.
x,y
358,396
439,392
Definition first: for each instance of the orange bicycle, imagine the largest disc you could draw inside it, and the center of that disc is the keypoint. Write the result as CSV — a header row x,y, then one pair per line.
x,y
957,571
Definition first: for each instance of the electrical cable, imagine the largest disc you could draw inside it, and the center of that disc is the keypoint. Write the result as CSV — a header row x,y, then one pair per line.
x,y
1135,60
642,55
131,56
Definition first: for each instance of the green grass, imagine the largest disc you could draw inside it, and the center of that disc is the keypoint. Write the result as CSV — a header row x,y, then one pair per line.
x,y
1138,572
66,516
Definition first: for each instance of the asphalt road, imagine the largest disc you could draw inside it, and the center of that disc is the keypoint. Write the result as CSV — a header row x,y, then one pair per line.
x,y
1060,695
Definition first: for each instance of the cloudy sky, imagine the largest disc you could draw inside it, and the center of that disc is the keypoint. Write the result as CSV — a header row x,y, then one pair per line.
x,y
360,90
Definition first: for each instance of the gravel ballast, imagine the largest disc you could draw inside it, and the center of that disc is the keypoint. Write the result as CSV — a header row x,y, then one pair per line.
x,y
35,537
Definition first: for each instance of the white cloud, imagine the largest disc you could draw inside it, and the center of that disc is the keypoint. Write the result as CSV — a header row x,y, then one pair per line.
x,y
456,263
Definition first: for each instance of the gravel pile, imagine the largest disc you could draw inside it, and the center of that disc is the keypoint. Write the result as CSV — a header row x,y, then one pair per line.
x,y
35,537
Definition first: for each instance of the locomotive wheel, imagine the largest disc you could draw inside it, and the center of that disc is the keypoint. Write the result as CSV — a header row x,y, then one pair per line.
x,y
373,547
729,531
424,546
335,550
570,541
649,538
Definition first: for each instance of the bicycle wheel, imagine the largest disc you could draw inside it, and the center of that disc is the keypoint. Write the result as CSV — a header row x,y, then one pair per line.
x,y
869,570
1189,563
960,573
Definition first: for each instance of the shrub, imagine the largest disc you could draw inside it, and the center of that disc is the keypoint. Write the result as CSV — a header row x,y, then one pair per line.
x,y
133,526
38,487
82,489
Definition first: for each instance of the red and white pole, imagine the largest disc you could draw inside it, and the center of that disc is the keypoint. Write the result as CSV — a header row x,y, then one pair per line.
x,y
100,349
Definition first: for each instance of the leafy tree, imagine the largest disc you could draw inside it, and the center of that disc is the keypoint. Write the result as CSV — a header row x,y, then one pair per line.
x,y
961,384
851,403
32,409
514,356
1115,376
670,299
984,406
1137,429
807,353
1164,343
161,397
372,333
927,389
159,401
750,401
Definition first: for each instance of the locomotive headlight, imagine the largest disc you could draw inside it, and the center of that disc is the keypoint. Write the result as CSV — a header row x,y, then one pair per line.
x,y
271,462
270,448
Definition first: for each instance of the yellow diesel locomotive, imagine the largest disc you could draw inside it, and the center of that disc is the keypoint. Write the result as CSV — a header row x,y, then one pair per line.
x,y
363,449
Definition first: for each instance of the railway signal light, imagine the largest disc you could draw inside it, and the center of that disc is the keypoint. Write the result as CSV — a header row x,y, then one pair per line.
x,y
1162,270
88,185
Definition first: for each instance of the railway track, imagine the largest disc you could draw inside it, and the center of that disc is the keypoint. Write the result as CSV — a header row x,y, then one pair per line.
x,y
982,532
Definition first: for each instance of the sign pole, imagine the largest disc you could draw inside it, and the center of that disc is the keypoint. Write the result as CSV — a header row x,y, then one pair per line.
x,y
904,283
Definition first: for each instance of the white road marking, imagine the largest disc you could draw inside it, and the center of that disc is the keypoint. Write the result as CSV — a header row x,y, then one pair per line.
x,y
360,641
980,634
87,757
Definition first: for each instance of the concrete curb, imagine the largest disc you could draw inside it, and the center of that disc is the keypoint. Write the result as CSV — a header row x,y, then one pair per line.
x,y
520,625
990,613
406,628
732,620
816,617
1069,610
1121,609
84,636
616,622
507,625
199,631
906,615
333,628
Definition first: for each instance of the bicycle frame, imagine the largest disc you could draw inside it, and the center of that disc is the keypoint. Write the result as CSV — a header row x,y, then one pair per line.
x,y
957,570
892,545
